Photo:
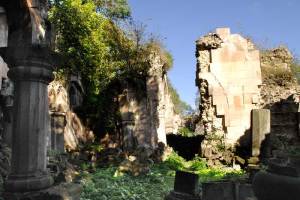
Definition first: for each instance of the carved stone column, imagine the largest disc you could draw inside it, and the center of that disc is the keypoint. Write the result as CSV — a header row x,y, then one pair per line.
x,y
31,74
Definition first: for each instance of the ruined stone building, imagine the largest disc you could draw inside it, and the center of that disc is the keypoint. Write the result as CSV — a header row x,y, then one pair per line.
x,y
228,77
147,116
25,41
280,94
245,98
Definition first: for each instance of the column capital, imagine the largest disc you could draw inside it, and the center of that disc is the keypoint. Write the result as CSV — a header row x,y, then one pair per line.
x,y
34,63
29,55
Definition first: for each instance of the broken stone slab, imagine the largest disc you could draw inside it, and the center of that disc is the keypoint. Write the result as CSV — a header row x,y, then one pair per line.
x,y
185,187
64,191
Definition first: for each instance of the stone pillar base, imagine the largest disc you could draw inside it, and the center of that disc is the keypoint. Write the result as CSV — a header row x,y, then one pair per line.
x,y
181,196
23,184
64,191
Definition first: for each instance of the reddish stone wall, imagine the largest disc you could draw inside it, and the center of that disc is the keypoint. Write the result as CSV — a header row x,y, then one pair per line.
x,y
228,76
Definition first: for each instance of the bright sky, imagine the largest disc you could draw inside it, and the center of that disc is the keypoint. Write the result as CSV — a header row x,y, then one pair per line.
x,y
268,22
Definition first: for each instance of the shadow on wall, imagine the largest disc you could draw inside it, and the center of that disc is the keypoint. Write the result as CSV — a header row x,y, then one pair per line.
x,y
284,126
186,147
244,144
283,135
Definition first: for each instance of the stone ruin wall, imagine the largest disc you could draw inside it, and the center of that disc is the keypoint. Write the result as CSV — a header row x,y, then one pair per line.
x,y
75,133
153,111
282,99
229,79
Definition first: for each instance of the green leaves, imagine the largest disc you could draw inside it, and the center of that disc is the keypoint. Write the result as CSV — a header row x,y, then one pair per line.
x,y
154,186
114,9
103,185
180,106
83,37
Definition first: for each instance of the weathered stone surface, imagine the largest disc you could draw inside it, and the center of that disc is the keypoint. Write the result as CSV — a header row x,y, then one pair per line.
x,y
3,28
279,57
232,97
185,187
227,190
30,59
31,123
218,191
58,123
5,162
186,183
261,126
6,96
59,192
74,132
245,192
3,70
226,64
152,109
270,186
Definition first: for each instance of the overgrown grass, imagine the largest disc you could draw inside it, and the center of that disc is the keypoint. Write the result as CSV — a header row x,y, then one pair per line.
x,y
103,184
199,166
106,184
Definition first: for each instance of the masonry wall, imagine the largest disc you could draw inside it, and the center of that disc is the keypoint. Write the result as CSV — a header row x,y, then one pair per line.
x,y
228,77
152,109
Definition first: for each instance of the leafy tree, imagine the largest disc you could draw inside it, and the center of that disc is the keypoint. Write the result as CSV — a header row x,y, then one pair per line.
x,y
114,9
96,47
181,107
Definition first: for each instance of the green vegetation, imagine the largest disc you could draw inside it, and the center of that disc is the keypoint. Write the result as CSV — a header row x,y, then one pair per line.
x,y
106,184
199,166
279,66
186,132
103,184
181,107
278,76
89,38
295,66
114,9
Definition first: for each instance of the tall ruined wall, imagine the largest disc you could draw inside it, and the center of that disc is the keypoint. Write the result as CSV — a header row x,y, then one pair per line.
x,y
173,121
151,112
228,77
75,132
156,94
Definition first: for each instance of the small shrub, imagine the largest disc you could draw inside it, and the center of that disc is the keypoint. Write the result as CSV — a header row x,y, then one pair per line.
x,y
186,132
197,164
278,76
175,162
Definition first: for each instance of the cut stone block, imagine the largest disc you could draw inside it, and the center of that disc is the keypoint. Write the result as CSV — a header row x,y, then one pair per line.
x,y
185,187
218,191
260,128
